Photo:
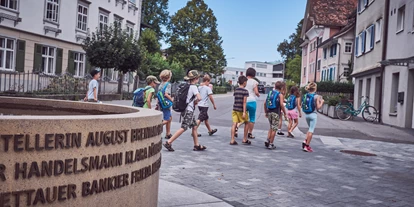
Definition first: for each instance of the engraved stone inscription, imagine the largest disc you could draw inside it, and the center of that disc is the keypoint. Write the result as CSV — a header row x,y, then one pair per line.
x,y
38,196
78,164
66,192
21,142
68,166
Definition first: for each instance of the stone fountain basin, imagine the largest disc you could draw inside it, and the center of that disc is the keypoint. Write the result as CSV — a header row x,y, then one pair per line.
x,y
65,153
